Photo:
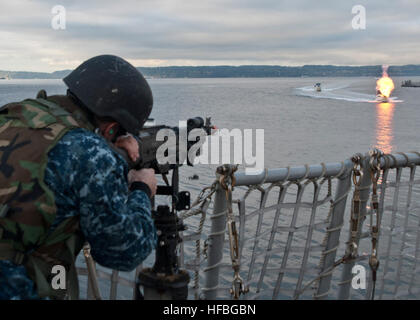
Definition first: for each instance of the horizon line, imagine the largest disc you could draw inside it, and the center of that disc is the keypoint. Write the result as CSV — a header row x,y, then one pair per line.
x,y
235,66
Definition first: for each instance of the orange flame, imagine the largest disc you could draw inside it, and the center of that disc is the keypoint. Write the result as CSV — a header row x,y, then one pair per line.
x,y
385,85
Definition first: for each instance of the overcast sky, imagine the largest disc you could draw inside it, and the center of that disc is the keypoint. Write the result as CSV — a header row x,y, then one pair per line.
x,y
208,32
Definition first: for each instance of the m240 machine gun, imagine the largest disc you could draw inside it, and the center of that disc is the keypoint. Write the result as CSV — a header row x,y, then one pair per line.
x,y
165,280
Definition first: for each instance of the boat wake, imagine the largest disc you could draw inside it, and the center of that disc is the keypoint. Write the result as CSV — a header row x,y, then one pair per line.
x,y
339,93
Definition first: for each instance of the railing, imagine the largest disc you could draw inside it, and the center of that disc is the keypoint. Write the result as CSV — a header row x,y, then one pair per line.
x,y
294,236
276,253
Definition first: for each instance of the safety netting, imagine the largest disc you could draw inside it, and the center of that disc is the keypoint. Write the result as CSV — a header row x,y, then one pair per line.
x,y
296,236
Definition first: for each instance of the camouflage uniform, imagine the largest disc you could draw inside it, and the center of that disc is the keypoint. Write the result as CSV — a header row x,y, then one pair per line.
x,y
89,181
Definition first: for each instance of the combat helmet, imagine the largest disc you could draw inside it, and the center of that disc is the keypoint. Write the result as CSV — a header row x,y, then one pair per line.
x,y
111,87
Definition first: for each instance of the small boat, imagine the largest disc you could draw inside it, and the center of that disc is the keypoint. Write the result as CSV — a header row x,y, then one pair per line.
x,y
380,97
409,83
317,87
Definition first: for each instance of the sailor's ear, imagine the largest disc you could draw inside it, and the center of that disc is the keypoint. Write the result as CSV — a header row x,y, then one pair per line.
x,y
110,130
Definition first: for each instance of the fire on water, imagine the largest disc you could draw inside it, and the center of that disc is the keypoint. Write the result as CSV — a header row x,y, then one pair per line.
x,y
384,86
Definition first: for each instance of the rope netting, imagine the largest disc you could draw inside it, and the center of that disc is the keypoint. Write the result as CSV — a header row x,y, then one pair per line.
x,y
293,236
398,249
400,243
283,231
99,282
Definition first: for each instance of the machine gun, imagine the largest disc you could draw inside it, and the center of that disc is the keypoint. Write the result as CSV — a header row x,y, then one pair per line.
x,y
165,280
149,145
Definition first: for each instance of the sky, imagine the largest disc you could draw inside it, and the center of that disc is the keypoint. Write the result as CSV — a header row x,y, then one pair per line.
x,y
152,33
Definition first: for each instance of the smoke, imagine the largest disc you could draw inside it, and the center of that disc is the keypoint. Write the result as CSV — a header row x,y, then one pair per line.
x,y
385,70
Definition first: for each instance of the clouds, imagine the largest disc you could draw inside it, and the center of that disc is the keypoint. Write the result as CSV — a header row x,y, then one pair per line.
x,y
187,32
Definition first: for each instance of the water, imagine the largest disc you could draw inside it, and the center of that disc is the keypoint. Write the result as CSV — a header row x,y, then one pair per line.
x,y
300,125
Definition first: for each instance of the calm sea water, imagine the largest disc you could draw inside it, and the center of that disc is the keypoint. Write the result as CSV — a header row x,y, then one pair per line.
x,y
300,125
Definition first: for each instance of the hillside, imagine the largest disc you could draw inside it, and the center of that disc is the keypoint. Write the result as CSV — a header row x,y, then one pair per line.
x,y
243,72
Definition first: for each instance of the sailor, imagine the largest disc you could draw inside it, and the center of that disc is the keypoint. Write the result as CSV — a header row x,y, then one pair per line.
x,y
62,182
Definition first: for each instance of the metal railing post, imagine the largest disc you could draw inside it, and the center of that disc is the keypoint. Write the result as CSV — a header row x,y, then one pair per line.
x,y
334,230
347,276
215,245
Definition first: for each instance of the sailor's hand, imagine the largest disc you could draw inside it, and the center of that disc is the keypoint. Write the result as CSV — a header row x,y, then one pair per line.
x,y
146,176
129,143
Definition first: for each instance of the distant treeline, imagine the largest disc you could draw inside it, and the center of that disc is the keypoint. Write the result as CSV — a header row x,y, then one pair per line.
x,y
277,71
34,75
244,72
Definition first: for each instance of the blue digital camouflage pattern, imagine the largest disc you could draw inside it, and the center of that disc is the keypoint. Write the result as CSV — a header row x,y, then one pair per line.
x,y
89,179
